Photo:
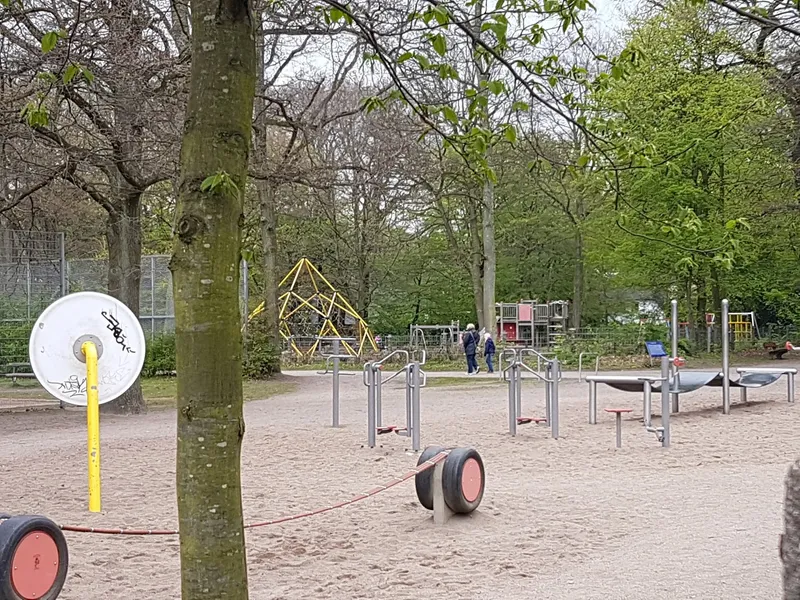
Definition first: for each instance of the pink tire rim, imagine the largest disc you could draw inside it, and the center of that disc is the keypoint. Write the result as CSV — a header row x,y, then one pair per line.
x,y
471,480
34,567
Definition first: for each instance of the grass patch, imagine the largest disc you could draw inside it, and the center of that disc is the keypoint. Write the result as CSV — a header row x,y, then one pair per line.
x,y
159,392
463,381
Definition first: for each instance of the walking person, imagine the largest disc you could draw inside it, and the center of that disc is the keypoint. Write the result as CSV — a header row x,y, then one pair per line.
x,y
488,351
470,341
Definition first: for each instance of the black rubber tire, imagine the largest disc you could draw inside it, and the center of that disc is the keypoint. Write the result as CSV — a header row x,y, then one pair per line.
x,y
451,480
423,482
12,531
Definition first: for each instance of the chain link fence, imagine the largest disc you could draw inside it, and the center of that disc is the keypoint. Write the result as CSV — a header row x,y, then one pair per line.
x,y
34,272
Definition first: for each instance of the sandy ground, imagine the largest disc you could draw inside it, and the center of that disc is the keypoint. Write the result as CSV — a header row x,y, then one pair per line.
x,y
572,518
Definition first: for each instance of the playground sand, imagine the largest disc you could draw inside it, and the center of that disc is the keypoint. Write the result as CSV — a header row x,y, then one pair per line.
x,y
567,519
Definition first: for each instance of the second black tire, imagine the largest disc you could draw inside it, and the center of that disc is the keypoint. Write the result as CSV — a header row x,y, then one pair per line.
x,y
423,482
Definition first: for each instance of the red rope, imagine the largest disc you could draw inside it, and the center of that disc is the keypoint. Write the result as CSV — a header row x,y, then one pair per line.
x,y
428,464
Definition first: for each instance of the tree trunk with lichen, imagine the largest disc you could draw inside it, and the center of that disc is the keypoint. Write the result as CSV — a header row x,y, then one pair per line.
x,y
124,236
205,269
790,540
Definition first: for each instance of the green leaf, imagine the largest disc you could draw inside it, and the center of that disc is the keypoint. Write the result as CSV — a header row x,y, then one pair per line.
x,y
210,182
583,160
220,182
510,134
404,57
35,114
49,41
336,15
496,87
450,115
87,75
439,44
520,106
730,225
371,104
442,17
70,72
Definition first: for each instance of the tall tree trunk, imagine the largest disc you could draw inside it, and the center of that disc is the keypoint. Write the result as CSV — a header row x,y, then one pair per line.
x,y
790,540
489,257
269,247
702,308
124,237
690,307
476,261
487,246
205,268
578,281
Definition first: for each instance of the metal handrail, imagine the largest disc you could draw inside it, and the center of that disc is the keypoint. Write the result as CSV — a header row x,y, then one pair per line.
x,y
534,372
500,355
580,363
329,358
393,375
390,355
535,353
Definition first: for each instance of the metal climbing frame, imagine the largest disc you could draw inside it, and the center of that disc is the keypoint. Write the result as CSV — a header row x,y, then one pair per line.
x,y
416,379
513,374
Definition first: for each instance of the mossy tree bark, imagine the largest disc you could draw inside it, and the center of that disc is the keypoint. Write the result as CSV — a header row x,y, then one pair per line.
x,y
124,235
790,540
205,268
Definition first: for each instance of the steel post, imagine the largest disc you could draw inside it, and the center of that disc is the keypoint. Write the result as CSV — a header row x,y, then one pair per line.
x,y
647,409
415,405
548,391
743,394
619,430
675,330
153,297
512,401
665,401
377,377
62,258
726,384
555,371
372,426
592,403
790,384
410,383
335,399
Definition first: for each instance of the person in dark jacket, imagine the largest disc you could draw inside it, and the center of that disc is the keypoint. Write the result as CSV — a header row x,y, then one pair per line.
x,y
488,351
470,341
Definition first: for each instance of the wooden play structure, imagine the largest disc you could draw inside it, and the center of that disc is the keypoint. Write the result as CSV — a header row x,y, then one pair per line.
x,y
312,311
532,323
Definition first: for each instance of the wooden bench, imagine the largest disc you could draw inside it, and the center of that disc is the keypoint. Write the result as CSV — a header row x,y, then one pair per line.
x,y
619,412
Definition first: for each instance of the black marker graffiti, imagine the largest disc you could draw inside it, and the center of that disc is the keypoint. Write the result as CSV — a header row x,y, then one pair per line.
x,y
113,326
71,387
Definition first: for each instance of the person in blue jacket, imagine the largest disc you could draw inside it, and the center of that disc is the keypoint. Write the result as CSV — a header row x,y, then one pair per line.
x,y
488,351
470,341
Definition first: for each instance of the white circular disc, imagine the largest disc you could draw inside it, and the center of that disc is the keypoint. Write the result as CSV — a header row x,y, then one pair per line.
x,y
53,342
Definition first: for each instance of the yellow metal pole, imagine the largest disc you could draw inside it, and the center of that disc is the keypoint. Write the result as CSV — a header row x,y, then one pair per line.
x,y
93,424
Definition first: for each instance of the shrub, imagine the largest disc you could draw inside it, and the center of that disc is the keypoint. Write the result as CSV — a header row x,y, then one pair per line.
x,y
160,356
